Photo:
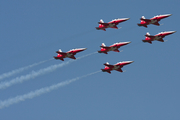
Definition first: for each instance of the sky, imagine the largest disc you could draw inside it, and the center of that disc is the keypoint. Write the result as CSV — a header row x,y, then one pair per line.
x,y
35,86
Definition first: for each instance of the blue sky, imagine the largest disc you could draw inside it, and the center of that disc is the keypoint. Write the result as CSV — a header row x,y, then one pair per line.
x,y
31,32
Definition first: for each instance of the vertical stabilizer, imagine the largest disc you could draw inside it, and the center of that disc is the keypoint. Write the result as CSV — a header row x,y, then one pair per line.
x,y
101,21
143,17
60,50
147,34
103,45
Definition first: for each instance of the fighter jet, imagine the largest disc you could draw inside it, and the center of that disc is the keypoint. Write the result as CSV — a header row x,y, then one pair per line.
x,y
154,20
159,37
70,54
111,24
108,68
114,47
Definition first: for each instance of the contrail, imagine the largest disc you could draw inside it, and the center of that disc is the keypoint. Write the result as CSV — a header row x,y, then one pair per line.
x,y
38,92
13,72
34,74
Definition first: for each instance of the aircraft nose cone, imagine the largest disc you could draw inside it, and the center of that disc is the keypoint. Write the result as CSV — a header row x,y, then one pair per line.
x,y
169,14
127,18
131,61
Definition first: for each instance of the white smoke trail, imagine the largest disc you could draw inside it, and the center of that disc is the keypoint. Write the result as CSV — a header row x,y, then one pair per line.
x,y
38,92
34,74
31,75
13,72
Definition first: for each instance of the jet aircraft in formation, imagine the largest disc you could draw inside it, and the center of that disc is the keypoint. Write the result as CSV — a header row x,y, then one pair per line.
x,y
70,54
108,68
159,37
105,49
114,47
154,20
111,24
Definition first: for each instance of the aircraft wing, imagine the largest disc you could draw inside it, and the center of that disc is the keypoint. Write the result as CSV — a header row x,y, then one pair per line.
x,y
156,23
116,50
119,70
115,27
161,40
72,57
149,41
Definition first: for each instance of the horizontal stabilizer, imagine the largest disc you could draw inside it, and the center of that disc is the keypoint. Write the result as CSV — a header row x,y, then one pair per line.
x,y
106,64
98,28
146,20
105,47
103,23
62,53
147,41
58,58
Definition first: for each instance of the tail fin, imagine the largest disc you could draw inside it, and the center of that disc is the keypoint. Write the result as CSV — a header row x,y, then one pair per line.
x,y
101,21
103,45
147,34
60,50
106,63
143,17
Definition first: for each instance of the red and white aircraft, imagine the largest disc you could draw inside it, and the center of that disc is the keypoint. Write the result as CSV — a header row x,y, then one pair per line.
x,y
108,68
114,47
70,54
159,37
154,20
111,24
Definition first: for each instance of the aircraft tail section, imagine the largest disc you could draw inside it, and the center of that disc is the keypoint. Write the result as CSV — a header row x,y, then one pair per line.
x,y
107,65
58,58
147,41
101,21
60,50
142,18
103,45
147,34
62,53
